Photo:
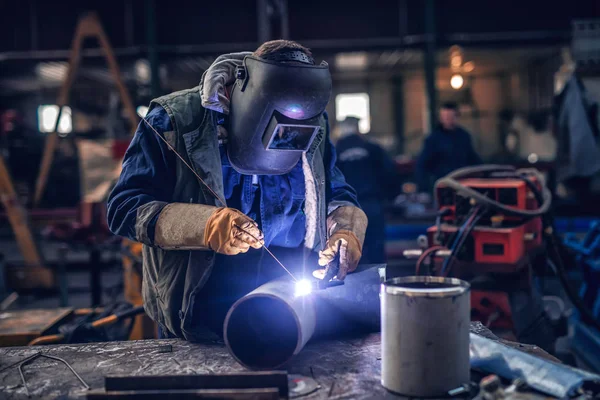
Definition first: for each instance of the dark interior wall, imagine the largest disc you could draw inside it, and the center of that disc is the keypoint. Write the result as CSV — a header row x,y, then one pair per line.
x,y
177,23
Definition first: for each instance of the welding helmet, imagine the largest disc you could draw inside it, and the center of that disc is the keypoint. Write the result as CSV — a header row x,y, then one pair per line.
x,y
275,111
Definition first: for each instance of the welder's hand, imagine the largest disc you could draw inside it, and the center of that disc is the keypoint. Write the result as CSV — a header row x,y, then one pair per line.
x,y
346,227
229,231
184,226
349,248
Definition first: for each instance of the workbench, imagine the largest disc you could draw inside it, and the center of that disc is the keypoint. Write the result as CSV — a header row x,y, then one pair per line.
x,y
344,368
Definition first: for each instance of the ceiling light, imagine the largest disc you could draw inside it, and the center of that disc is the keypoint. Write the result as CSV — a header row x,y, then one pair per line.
x,y
357,60
469,66
456,81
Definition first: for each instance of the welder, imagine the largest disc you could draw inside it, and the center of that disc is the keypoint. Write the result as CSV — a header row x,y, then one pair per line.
x,y
373,174
256,135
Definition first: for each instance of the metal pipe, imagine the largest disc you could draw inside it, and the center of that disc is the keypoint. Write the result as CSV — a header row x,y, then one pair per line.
x,y
267,327
424,335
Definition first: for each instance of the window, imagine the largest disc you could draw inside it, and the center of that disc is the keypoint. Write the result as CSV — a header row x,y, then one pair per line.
x,y
354,105
47,119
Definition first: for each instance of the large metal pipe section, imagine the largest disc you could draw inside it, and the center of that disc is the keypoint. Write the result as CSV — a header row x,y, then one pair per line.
x,y
424,335
267,327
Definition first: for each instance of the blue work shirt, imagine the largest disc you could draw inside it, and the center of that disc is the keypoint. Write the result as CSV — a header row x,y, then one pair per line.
x,y
276,202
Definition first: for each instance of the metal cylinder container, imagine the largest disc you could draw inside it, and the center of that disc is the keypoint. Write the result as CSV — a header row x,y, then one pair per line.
x,y
424,335
268,326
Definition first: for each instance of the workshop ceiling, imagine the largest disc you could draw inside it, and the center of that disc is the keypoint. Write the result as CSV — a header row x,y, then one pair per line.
x,y
180,72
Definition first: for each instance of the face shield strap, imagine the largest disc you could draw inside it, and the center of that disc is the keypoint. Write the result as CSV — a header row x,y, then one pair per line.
x,y
287,134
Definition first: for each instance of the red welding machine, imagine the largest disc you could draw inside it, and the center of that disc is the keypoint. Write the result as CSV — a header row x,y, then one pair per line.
x,y
497,242
489,225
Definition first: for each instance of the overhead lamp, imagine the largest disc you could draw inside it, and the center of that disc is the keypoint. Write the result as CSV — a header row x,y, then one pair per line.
x,y
456,81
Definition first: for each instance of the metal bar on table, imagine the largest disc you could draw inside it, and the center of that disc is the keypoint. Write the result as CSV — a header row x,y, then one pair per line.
x,y
222,394
239,380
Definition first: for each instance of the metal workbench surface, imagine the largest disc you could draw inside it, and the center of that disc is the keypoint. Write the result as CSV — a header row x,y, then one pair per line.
x,y
353,365
345,368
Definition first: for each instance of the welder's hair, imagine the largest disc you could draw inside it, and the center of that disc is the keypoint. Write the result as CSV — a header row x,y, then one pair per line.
x,y
284,51
450,105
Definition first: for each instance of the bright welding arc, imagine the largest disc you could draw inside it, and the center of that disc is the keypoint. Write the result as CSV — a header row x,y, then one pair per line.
x,y
213,193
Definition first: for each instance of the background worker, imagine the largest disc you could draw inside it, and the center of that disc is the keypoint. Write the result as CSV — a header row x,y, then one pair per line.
x,y
372,173
446,149
264,152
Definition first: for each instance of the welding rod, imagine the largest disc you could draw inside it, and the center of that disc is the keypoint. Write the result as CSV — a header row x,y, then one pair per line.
x,y
268,251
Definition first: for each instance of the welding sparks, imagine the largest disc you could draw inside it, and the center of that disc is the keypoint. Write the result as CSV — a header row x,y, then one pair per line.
x,y
303,288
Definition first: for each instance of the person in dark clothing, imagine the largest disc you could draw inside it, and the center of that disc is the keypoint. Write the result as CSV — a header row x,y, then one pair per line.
x,y
372,174
446,149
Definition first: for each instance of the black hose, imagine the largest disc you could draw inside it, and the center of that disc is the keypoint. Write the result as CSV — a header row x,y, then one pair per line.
x,y
539,197
451,181
482,199
469,172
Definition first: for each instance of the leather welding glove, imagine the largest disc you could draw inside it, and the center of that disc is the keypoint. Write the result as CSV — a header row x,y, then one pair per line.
x,y
346,227
201,227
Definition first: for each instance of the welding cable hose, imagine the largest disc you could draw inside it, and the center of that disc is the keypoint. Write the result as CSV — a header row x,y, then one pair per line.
x,y
461,237
479,170
427,253
452,182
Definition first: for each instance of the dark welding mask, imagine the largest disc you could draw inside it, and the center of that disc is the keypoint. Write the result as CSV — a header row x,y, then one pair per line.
x,y
275,111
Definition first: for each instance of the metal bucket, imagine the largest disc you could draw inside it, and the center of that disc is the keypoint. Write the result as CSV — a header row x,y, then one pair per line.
x,y
424,335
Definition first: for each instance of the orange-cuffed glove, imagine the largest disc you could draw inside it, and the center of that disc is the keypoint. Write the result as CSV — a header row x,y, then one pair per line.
x,y
348,246
347,227
229,231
